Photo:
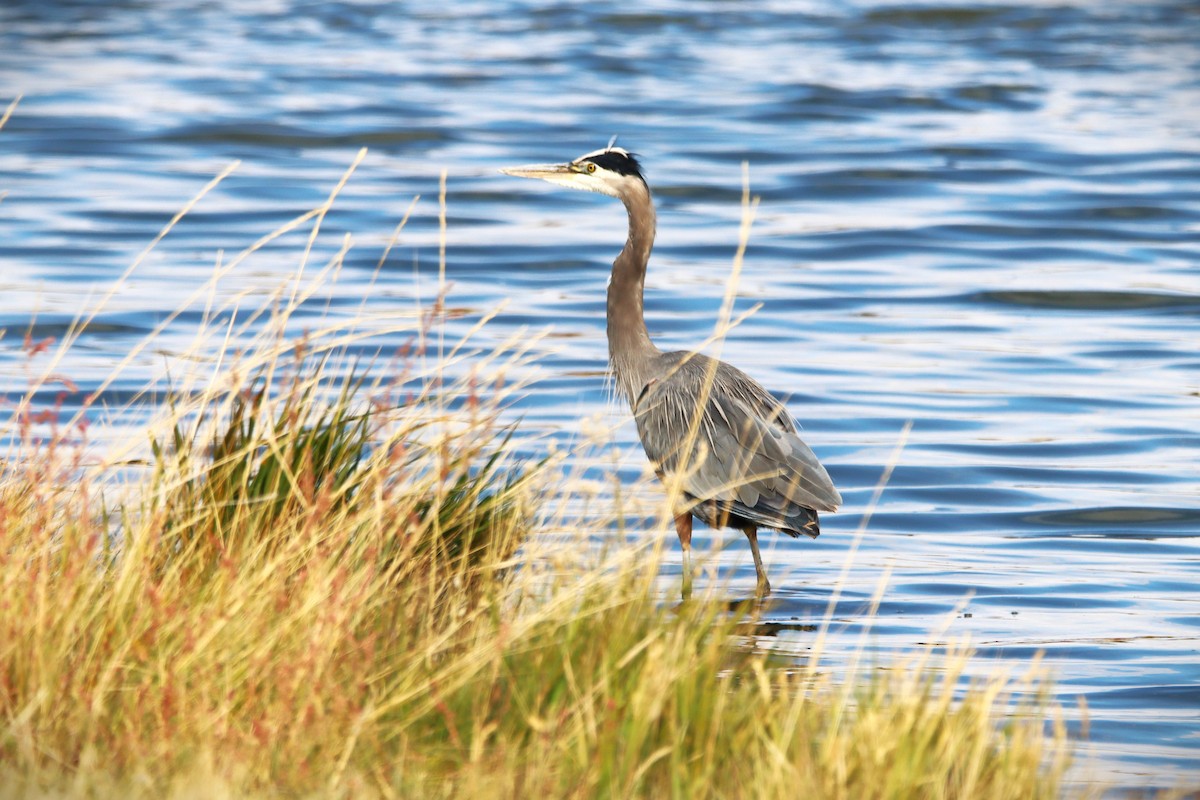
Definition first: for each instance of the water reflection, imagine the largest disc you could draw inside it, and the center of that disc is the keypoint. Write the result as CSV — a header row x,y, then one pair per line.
x,y
978,217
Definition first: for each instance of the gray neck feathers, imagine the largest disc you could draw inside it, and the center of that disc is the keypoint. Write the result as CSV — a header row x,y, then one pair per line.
x,y
630,350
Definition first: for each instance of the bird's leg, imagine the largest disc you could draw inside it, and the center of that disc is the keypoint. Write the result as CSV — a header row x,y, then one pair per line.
x,y
683,527
764,586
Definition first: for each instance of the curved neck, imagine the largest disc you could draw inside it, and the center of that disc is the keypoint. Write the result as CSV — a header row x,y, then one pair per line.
x,y
629,345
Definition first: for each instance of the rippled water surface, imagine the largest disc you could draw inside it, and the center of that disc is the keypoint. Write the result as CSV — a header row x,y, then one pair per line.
x,y
983,218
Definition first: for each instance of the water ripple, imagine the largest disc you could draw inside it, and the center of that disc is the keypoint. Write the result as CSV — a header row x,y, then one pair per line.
x,y
980,217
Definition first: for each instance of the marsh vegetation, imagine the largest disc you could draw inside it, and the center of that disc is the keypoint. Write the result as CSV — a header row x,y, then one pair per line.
x,y
305,573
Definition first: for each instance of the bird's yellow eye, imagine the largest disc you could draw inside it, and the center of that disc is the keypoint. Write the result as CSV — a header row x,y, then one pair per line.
x,y
591,167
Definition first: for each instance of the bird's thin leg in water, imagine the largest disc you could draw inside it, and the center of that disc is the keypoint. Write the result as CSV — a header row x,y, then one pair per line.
x,y
665,390
764,586
683,527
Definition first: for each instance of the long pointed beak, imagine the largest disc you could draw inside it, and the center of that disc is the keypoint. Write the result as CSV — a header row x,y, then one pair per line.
x,y
546,172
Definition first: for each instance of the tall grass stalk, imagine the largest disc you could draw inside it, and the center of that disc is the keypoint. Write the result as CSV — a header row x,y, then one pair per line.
x,y
326,586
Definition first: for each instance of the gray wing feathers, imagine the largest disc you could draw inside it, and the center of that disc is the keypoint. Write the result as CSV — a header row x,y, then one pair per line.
x,y
745,448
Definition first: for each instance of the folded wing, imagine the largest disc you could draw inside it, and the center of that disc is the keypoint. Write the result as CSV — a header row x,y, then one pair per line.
x,y
742,452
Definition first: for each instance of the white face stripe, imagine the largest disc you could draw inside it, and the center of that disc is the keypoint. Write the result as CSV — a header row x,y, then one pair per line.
x,y
585,175
602,151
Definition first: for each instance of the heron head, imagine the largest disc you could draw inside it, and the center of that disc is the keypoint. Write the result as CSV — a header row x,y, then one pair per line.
x,y
611,171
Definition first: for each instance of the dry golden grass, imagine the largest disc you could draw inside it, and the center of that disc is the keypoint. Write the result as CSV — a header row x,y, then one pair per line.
x,y
319,592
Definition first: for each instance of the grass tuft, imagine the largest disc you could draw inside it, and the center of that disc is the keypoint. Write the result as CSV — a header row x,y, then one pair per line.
x,y
314,589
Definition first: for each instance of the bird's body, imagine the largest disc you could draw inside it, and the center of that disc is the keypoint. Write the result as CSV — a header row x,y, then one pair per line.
x,y
729,445
745,463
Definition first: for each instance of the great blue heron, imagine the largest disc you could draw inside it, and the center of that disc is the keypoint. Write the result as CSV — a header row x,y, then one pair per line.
x,y
740,463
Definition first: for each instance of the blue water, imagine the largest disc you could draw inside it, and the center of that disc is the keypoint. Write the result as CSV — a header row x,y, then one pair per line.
x,y
980,217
